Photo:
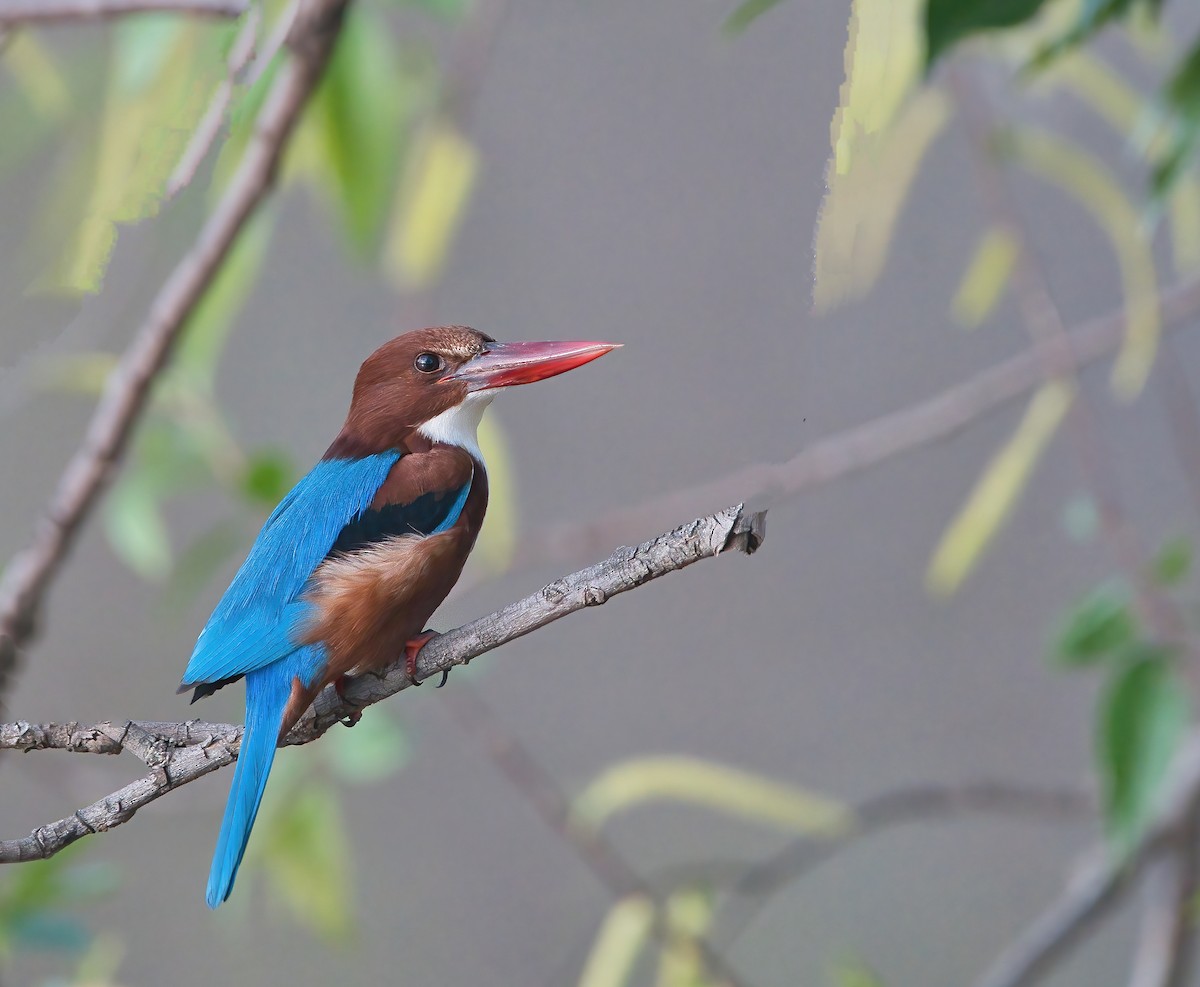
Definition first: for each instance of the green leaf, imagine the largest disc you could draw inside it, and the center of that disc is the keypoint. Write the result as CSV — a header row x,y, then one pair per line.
x,y
947,22
269,475
135,526
49,932
376,748
618,944
303,852
447,10
1143,715
706,783
853,972
208,327
1093,16
1173,562
745,14
352,133
1096,627
1181,99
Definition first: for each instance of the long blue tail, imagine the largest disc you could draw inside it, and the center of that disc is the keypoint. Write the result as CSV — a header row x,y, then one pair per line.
x,y
267,692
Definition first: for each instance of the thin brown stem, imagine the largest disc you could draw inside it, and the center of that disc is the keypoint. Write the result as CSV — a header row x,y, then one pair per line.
x,y
127,390
527,776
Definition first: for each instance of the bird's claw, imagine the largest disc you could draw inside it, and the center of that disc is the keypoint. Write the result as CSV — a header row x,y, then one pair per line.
x,y
412,649
339,686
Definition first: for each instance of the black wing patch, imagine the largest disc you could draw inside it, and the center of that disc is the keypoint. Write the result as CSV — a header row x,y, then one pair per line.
x,y
428,514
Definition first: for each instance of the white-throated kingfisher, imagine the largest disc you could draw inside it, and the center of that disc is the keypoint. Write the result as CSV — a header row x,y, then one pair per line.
x,y
355,559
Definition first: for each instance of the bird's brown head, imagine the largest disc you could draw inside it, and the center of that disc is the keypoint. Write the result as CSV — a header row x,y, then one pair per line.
x,y
438,382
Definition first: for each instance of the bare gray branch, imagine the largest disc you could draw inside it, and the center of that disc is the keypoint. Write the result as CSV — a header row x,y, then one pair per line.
x,y
128,387
14,12
1099,883
859,447
179,753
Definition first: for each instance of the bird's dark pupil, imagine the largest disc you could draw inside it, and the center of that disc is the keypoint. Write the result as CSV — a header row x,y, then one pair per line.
x,y
427,363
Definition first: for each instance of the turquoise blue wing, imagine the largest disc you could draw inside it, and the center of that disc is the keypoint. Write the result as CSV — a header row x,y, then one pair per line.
x,y
337,509
254,623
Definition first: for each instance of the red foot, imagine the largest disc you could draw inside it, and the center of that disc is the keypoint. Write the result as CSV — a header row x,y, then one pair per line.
x,y
412,648
339,686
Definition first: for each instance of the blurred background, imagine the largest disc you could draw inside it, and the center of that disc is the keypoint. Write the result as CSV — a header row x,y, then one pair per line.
x,y
653,175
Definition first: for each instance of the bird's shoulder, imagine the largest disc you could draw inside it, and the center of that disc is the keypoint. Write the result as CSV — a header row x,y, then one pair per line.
x,y
424,493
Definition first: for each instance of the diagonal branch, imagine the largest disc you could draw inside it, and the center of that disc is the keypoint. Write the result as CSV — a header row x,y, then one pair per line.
x,y
179,753
30,573
859,447
1101,881
41,12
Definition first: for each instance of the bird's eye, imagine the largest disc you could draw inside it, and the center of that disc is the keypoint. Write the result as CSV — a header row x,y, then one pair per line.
x,y
428,363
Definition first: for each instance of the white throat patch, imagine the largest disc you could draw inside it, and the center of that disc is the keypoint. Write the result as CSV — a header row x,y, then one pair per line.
x,y
459,426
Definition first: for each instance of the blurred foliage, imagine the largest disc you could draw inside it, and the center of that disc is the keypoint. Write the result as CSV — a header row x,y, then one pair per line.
x,y
383,153
389,164
1144,707
913,69
996,492
43,905
687,911
623,935
705,783
302,848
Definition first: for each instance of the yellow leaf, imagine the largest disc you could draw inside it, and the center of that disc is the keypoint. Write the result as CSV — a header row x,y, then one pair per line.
x,y
498,539
985,278
1082,176
620,941
1097,85
997,490
864,199
1101,88
76,373
33,69
437,189
689,912
1183,208
705,783
882,60
144,129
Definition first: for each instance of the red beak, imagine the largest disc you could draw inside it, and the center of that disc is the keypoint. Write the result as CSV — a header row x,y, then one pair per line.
x,y
506,364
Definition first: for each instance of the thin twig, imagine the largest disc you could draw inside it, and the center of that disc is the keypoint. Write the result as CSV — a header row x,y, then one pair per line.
x,y
209,127
853,449
1164,954
29,575
1099,883
1183,418
527,776
1051,342
44,12
755,884
179,753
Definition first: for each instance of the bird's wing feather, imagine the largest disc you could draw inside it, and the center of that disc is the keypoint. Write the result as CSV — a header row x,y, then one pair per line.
x,y
252,624
340,507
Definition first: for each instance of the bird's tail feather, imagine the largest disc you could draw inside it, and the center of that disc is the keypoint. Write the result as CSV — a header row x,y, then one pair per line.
x,y
267,692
